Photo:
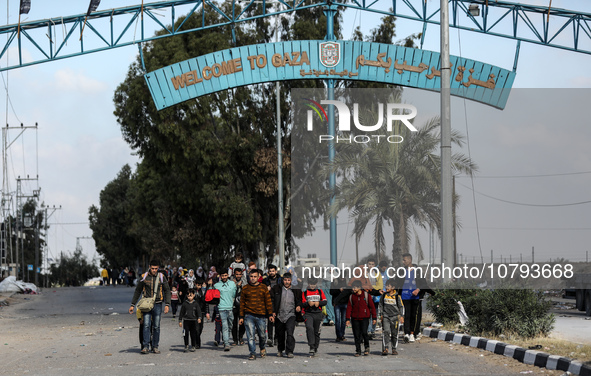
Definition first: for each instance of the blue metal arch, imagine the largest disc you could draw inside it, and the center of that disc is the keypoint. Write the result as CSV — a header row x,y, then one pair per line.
x,y
113,28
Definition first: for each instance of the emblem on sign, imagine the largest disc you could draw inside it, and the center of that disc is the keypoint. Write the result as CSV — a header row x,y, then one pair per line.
x,y
330,54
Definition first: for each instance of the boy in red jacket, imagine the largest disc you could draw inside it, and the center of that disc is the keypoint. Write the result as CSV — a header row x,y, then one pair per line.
x,y
313,299
359,311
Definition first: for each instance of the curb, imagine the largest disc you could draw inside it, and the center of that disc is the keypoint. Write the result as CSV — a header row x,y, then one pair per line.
x,y
534,357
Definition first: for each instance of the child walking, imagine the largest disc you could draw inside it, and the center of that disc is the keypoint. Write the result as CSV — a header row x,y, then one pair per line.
x,y
359,311
189,317
392,314
174,300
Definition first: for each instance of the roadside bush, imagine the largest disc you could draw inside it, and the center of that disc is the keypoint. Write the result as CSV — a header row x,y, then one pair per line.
x,y
520,312
444,306
524,313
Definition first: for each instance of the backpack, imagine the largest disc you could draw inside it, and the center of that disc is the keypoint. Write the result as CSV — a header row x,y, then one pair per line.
x,y
212,296
365,297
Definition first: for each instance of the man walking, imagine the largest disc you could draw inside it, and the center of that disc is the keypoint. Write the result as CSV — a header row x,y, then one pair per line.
x,y
286,305
227,291
152,318
255,308
272,279
410,298
238,330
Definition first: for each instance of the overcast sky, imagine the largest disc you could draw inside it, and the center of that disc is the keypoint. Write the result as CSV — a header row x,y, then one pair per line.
x,y
78,147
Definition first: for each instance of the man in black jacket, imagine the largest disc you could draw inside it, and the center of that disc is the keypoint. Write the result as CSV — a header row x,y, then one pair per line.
x,y
152,318
287,304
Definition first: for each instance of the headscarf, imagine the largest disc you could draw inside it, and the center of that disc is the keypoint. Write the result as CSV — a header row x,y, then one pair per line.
x,y
200,273
191,279
212,272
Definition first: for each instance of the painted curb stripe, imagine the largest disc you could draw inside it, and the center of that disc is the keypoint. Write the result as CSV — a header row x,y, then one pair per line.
x,y
532,357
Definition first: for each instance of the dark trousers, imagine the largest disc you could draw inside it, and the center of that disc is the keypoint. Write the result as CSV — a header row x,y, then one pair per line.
x,y
417,328
313,321
190,327
284,330
174,305
360,332
237,330
200,330
411,310
218,330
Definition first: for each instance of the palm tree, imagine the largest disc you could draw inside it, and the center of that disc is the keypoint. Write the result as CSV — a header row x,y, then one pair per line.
x,y
395,184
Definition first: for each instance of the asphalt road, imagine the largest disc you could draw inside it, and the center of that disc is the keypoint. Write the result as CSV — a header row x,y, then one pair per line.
x,y
87,331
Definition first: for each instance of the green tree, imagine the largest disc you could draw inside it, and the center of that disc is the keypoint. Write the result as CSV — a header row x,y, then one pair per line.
x,y
72,270
205,162
31,221
110,222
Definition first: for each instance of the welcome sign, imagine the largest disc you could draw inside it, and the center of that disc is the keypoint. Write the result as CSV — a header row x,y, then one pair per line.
x,y
312,59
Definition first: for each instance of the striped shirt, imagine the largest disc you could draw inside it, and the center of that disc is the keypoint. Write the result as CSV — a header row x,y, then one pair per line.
x,y
256,301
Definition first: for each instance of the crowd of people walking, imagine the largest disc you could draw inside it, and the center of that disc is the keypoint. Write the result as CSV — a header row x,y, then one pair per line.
x,y
267,307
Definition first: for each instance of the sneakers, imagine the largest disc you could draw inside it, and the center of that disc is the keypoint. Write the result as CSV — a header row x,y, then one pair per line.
x,y
216,343
366,352
312,352
418,336
144,350
186,349
192,349
279,354
394,352
406,338
411,338
252,357
263,353
226,348
155,350
270,342
290,355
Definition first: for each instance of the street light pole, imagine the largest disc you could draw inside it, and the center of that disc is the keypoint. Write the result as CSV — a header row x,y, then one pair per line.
x,y
447,251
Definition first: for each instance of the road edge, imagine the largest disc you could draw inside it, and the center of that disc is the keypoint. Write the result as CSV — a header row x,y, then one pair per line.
x,y
533,357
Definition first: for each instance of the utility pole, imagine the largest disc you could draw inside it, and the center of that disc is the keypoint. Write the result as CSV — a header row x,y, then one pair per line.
x,y
447,250
6,233
21,221
46,216
280,223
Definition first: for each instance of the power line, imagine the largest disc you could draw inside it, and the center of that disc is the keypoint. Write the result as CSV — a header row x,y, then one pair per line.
x,y
524,176
526,204
534,229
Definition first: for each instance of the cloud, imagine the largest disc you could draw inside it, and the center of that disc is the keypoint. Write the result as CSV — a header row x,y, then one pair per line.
x,y
70,80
